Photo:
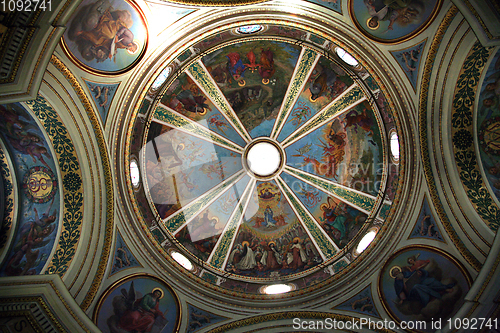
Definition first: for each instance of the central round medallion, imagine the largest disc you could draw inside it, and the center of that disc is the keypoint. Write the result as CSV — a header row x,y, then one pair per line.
x,y
263,158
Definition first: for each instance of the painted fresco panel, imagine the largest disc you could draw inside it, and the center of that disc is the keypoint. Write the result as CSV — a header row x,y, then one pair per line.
x,y
347,150
426,226
392,20
102,94
201,234
185,97
361,303
335,5
254,77
39,195
199,319
326,82
138,304
340,221
123,258
488,125
422,283
181,167
271,241
409,59
106,36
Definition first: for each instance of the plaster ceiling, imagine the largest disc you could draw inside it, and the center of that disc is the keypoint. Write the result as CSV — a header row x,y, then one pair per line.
x,y
188,105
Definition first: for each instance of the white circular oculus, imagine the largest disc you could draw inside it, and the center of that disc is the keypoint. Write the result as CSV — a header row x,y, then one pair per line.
x,y
182,260
277,289
263,159
365,241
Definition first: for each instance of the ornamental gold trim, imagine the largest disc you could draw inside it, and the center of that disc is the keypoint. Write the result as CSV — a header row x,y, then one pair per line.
x,y
99,135
424,140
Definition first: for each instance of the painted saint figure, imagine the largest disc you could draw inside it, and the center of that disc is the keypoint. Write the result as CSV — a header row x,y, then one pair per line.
x,y
417,286
269,220
142,317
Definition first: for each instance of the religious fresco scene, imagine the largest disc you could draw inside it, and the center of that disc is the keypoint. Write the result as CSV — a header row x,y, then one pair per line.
x,y
488,125
201,234
422,283
106,36
326,82
138,304
347,150
39,196
254,77
340,221
181,167
392,20
184,96
271,241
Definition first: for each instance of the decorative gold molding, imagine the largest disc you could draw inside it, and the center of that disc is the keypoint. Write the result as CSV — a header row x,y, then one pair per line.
x,y
424,140
107,175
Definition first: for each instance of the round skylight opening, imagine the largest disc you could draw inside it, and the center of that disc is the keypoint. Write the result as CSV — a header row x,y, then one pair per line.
x,y
182,260
161,78
276,289
134,173
263,159
365,241
394,142
346,57
249,29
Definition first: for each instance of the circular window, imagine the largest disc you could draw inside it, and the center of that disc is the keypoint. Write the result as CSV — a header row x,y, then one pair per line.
x,y
276,289
134,173
182,260
161,78
346,57
249,29
394,142
365,241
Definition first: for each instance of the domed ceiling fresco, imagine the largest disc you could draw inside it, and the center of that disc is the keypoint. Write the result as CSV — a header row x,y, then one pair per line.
x,y
228,166
333,181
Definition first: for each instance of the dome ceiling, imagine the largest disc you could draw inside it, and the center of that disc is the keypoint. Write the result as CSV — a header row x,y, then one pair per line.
x,y
226,153
331,183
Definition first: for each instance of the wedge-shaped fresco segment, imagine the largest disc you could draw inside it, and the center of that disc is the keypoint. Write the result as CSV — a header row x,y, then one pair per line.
x,y
340,221
342,104
347,150
181,167
167,116
271,241
254,77
325,83
201,234
185,97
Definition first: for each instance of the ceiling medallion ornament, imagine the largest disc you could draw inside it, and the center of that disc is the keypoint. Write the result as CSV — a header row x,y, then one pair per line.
x,y
265,160
217,3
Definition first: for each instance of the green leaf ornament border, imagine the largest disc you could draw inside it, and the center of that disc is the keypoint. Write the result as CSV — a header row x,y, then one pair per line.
x,y
463,132
71,176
